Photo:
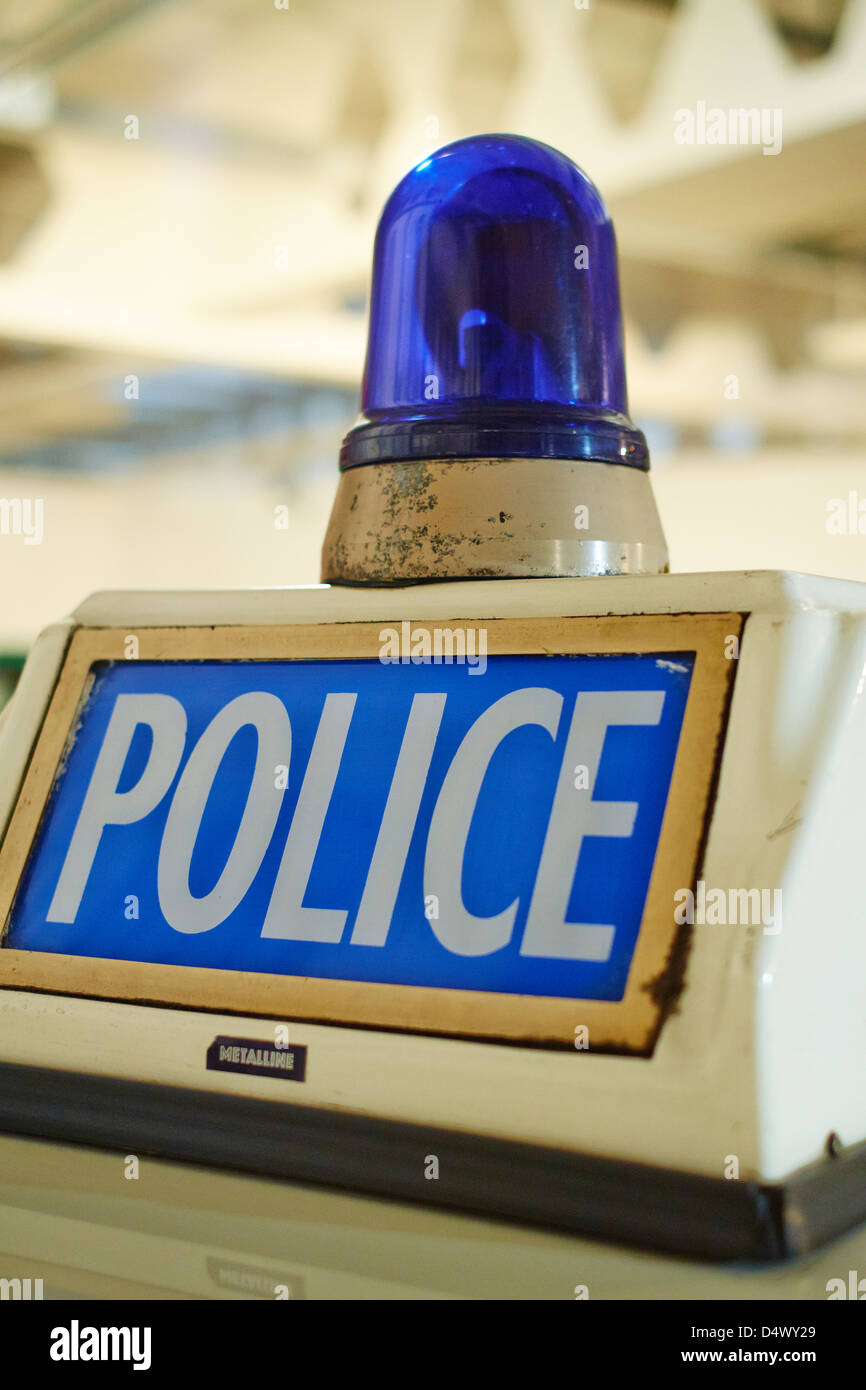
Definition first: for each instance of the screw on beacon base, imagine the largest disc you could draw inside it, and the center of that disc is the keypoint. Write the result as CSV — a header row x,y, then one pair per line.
x,y
494,439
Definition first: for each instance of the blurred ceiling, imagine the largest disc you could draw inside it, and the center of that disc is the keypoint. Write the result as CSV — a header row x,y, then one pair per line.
x,y
193,184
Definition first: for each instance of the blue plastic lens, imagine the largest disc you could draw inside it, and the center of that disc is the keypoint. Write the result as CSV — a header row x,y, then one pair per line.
x,y
495,322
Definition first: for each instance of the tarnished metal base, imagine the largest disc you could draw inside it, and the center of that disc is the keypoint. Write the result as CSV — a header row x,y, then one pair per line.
x,y
393,523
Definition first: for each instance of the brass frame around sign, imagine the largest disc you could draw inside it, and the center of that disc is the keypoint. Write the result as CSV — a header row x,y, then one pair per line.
x,y
630,1025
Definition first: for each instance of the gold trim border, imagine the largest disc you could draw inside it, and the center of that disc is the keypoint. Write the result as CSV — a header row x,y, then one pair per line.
x,y
630,1025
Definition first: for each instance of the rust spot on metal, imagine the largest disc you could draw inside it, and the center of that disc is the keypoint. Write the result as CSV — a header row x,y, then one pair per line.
x,y
665,988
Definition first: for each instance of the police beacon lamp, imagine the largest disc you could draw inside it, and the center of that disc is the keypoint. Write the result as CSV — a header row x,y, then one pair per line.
x,y
550,869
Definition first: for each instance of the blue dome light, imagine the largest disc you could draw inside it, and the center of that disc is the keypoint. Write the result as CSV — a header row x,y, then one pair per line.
x,y
495,322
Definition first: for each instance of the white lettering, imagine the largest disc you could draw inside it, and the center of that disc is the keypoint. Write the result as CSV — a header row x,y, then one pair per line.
x,y
458,930
182,911
104,804
287,919
574,816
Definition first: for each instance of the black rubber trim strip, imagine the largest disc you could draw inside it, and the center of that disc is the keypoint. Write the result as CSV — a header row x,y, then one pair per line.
x,y
630,1203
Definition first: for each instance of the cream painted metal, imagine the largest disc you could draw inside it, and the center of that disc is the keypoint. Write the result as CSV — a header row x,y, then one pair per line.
x,y
761,1059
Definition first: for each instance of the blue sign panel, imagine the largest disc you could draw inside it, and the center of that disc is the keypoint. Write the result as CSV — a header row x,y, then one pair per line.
x,y
354,820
